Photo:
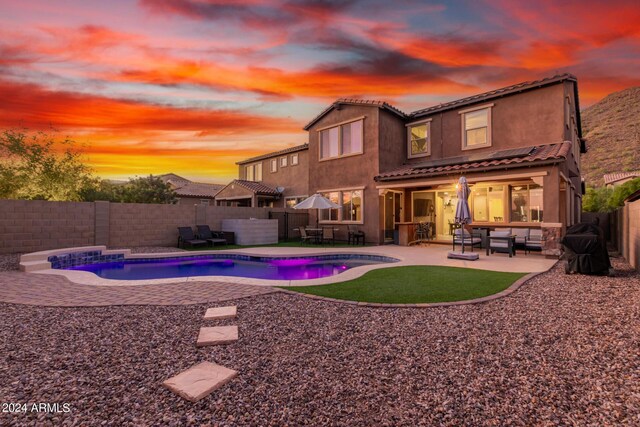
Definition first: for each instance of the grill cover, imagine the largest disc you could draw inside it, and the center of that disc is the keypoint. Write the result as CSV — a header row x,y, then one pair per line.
x,y
586,249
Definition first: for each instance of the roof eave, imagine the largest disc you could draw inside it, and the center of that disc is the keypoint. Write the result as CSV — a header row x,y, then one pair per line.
x,y
463,171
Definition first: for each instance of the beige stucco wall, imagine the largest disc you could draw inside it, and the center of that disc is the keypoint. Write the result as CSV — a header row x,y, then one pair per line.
x,y
353,171
631,233
524,119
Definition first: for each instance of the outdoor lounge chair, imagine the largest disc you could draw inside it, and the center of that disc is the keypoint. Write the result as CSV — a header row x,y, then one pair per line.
x,y
186,237
461,235
212,237
534,241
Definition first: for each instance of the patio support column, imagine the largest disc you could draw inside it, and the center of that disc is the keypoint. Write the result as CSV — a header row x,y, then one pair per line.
x,y
254,201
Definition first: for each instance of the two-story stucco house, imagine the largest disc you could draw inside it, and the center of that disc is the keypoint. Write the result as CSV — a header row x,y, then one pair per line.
x,y
519,148
279,179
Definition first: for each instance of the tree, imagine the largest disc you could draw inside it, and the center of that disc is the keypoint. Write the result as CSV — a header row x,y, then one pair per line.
x,y
606,199
41,166
149,189
621,192
596,199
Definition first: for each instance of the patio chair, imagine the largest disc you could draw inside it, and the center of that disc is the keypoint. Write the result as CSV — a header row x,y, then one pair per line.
x,y
186,237
534,241
354,235
522,234
212,237
304,237
328,235
461,235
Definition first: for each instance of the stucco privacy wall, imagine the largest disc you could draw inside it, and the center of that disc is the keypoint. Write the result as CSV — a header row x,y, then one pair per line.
x,y
629,241
30,226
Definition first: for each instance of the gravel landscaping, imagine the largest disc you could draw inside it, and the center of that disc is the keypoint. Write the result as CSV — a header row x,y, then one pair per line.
x,y
562,350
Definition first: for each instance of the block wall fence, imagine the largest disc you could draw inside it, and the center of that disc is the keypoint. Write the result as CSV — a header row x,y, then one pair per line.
x,y
37,225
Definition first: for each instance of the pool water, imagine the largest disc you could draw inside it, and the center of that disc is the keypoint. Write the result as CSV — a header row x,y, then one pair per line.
x,y
238,266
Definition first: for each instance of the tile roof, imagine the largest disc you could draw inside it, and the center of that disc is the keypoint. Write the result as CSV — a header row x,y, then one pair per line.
x,y
539,154
197,189
519,87
255,187
610,178
353,101
274,154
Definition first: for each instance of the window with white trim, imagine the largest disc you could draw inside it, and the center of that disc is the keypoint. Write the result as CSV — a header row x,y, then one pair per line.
x,y
351,207
274,165
294,159
419,139
343,140
253,172
283,161
476,128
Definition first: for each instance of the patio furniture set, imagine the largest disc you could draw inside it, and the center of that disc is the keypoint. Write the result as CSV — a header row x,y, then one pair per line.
x,y
503,240
326,234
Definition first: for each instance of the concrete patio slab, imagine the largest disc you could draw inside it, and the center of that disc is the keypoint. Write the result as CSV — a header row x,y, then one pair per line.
x,y
218,313
199,381
217,335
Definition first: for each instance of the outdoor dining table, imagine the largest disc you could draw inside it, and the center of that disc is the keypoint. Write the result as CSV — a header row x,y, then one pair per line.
x,y
316,233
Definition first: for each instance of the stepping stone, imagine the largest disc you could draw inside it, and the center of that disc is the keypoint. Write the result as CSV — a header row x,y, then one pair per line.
x,y
217,335
199,380
220,313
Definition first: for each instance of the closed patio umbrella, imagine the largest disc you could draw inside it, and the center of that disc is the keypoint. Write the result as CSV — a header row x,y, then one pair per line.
x,y
317,201
463,213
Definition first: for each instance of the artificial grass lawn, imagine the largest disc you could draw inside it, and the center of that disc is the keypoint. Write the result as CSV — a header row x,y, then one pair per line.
x,y
416,284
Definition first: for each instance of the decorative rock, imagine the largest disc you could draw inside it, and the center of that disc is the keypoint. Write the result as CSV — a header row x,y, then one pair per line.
x,y
199,380
217,335
217,313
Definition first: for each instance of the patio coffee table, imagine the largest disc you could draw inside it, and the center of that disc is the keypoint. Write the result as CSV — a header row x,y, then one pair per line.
x,y
506,239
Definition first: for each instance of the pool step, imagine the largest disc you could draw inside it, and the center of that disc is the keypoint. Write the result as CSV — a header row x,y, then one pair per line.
x,y
218,313
217,335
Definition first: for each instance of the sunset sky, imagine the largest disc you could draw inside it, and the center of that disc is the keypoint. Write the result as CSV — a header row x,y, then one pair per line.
x,y
192,86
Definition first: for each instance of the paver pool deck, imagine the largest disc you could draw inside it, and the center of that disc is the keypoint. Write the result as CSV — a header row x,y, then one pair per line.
x,y
79,288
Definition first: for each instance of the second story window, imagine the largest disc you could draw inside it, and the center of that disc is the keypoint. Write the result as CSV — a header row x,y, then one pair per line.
x,y
253,172
476,127
343,140
283,162
419,139
294,159
274,165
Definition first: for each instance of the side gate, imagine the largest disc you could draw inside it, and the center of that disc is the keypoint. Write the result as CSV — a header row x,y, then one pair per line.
x,y
288,223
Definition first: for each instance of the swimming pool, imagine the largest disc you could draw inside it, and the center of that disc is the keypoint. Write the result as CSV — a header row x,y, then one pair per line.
x,y
236,265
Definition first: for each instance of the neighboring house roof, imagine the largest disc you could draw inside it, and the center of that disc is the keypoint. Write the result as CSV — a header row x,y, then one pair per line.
x,y
347,101
274,154
633,197
186,188
258,188
198,189
610,178
172,177
497,93
526,156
